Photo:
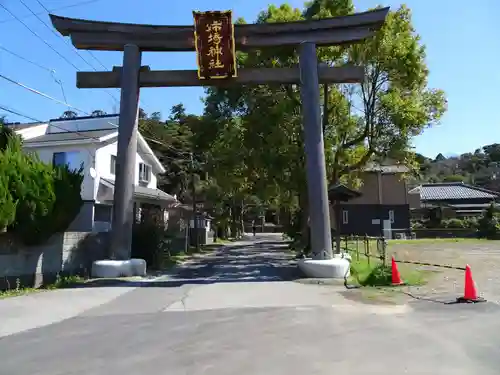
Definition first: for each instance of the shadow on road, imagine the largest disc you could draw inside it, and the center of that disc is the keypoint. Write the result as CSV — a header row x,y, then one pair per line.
x,y
263,261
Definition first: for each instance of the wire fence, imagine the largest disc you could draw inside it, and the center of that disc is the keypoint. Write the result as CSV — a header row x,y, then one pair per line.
x,y
377,248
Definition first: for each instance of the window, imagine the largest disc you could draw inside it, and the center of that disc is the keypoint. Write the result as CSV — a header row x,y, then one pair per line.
x,y
345,217
112,165
144,172
59,158
72,159
391,216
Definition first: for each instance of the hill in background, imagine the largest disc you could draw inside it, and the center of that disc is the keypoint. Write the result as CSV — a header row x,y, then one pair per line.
x,y
481,168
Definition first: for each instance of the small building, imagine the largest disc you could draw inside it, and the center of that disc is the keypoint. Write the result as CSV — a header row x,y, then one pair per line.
x,y
383,196
455,198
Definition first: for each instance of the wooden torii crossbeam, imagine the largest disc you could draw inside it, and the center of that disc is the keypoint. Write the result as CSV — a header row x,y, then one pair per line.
x,y
113,36
133,39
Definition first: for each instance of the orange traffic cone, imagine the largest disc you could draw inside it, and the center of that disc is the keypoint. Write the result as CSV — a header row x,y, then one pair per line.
x,y
470,292
396,277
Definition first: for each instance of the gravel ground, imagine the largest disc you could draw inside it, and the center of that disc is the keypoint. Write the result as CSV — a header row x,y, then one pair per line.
x,y
483,256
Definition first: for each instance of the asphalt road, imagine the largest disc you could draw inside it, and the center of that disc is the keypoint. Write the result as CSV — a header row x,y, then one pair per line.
x,y
239,311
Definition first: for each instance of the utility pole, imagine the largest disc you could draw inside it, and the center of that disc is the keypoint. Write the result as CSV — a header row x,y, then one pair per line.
x,y
195,210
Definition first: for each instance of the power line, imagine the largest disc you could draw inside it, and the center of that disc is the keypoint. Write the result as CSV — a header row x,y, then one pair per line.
x,y
41,94
86,136
55,9
35,91
27,60
58,35
51,71
13,111
48,44
65,40
38,36
53,32
75,108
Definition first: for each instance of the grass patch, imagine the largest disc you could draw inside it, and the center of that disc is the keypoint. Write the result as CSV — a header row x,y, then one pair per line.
x,y
376,280
60,283
371,272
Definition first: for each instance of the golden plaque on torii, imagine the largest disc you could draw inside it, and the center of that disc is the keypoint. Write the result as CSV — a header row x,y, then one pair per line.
x,y
214,42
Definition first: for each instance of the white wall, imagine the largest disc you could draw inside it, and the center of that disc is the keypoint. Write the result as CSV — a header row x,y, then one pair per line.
x,y
103,163
85,156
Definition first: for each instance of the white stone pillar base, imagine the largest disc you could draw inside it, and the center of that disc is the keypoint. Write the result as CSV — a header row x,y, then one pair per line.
x,y
118,268
335,268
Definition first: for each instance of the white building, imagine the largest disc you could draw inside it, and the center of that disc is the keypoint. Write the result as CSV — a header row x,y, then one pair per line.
x,y
91,142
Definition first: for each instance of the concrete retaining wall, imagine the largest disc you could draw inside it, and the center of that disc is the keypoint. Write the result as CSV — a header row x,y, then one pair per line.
x,y
65,253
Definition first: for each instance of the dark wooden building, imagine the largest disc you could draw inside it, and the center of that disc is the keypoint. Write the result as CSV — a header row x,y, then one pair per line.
x,y
384,196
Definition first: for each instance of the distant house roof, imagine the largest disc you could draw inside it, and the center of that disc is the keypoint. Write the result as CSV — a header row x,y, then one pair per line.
x,y
70,136
451,190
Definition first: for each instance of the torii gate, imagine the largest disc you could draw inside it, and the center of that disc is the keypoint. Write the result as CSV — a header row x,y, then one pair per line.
x,y
132,39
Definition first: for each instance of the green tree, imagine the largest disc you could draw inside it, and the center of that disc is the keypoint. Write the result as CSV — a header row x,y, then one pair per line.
x,y
6,133
363,122
36,199
454,178
7,202
171,141
97,113
488,224
69,114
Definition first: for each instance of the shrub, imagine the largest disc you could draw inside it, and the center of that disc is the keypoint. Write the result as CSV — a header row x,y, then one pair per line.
x,y
471,222
67,188
417,225
488,224
454,224
43,199
6,134
31,185
7,203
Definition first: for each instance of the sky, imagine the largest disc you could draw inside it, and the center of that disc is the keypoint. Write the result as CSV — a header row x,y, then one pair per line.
x,y
462,42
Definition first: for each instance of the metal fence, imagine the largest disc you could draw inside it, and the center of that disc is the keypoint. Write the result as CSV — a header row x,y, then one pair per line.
x,y
376,248
369,247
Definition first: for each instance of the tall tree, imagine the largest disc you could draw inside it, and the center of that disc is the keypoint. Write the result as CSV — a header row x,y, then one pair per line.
x,y
171,141
97,113
364,122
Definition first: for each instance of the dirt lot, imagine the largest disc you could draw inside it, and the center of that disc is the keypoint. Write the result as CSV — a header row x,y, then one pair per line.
x,y
482,255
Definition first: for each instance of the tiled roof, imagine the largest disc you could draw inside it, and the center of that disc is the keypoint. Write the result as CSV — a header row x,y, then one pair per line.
x,y
144,192
452,190
70,136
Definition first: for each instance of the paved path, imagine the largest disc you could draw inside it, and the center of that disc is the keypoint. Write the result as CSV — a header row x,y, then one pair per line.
x,y
238,311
